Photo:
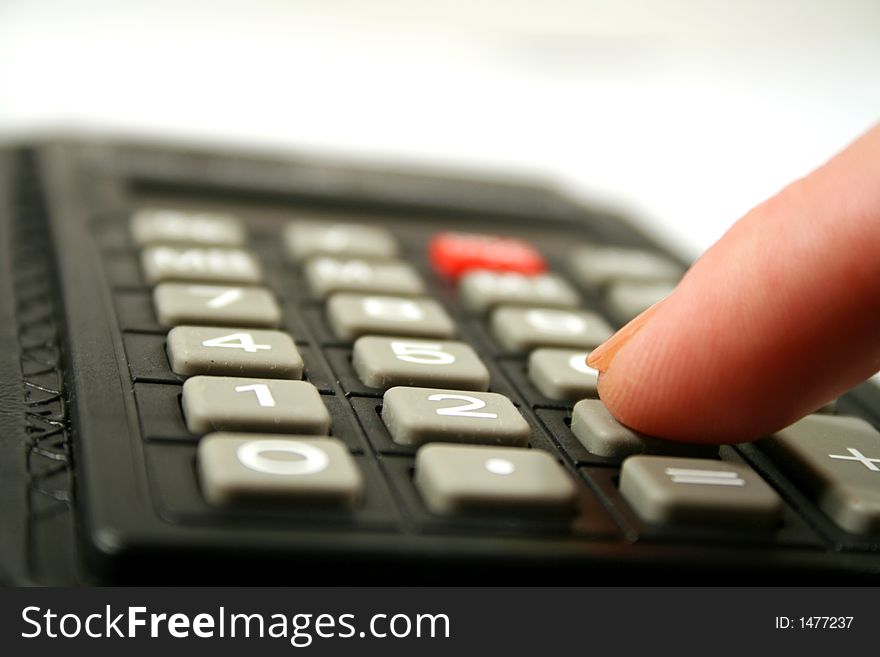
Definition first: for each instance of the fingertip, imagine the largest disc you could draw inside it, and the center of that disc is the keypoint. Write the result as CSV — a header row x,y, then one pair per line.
x,y
601,357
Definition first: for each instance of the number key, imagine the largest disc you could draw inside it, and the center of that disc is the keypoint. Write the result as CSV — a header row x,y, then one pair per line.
x,y
415,416
206,350
562,374
220,403
524,329
238,468
387,362
215,305
354,315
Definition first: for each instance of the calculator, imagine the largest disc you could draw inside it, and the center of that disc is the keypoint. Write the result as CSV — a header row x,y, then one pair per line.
x,y
224,368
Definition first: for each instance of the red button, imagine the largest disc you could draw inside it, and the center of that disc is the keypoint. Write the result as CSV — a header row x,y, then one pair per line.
x,y
454,254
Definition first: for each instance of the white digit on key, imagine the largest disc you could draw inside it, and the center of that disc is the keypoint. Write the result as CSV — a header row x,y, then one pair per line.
x,y
261,390
236,341
226,296
423,353
465,410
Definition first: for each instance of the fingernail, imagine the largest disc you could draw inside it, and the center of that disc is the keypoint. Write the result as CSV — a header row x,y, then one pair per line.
x,y
601,357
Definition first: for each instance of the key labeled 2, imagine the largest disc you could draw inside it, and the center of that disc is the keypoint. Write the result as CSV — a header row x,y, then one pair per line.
x,y
415,416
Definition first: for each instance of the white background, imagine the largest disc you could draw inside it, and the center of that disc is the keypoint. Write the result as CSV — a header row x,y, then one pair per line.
x,y
686,113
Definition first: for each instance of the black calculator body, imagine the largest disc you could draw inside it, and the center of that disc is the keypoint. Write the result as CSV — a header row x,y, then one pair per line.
x,y
297,451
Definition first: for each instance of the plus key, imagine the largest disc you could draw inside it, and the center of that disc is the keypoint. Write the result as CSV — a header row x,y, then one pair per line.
x,y
836,459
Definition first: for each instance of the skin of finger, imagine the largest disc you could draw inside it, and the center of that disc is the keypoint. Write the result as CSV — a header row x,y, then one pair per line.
x,y
780,316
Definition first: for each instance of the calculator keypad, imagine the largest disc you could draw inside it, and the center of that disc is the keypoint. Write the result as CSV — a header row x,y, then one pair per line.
x,y
237,468
220,403
233,351
415,416
487,407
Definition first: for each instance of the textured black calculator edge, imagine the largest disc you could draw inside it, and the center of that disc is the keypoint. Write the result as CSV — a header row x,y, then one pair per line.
x,y
37,542
71,175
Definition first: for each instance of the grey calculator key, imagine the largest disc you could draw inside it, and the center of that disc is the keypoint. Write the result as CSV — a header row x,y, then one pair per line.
x,y
354,315
457,479
221,305
183,227
628,299
213,403
602,435
307,238
233,351
838,460
481,290
387,362
594,266
237,468
325,275
415,416
524,329
562,374
677,491
197,264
